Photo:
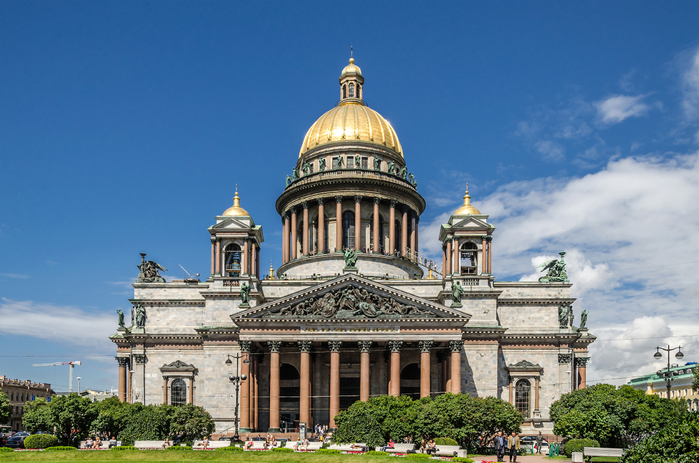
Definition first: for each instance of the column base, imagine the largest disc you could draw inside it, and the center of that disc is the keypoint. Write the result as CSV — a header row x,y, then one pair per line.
x,y
270,430
241,430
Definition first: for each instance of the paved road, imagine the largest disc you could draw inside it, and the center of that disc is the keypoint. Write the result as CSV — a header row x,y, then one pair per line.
x,y
520,459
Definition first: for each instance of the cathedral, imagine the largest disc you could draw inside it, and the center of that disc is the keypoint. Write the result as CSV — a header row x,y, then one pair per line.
x,y
355,310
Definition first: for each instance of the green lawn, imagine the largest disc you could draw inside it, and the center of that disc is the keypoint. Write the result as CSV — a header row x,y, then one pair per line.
x,y
594,459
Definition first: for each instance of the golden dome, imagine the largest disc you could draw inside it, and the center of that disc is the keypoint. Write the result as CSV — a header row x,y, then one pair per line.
x,y
351,68
467,209
351,121
236,210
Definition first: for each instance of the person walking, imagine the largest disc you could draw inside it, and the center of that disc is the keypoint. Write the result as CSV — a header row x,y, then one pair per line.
x,y
500,446
514,445
539,441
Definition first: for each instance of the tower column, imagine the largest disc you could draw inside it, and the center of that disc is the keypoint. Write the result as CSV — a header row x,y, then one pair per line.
x,y
536,393
213,255
404,231
484,256
245,387
218,256
123,361
335,347
338,223
394,347
377,245
357,223
417,233
447,269
274,347
305,382
364,379
285,239
293,233
444,262
425,347
582,373
321,227
457,257
305,229
490,254
455,347
246,258
392,228
413,234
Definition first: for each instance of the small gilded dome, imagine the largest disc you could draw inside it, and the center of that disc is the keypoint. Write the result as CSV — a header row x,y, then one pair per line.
x,y
351,121
467,209
351,68
236,210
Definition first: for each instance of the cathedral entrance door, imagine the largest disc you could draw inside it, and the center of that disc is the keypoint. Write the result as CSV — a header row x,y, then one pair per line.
x,y
410,381
289,392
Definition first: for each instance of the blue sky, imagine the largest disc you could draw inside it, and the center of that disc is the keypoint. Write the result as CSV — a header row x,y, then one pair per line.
x,y
125,126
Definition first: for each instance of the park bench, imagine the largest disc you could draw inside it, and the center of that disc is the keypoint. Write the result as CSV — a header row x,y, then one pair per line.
x,y
348,447
216,444
149,444
447,450
258,445
602,452
104,445
399,448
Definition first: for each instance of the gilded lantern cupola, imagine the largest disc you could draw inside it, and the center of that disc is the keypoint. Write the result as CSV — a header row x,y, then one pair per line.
x,y
351,82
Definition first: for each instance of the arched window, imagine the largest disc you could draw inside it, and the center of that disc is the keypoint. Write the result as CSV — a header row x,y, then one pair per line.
x,y
289,392
371,232
522,396
410,381
359,91
178,392
344,91
469,258
351,90
233,260
348,230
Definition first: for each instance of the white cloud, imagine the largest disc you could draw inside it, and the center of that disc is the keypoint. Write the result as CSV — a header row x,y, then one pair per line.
x,y
690,84
550,150
17,276
619,107
63,324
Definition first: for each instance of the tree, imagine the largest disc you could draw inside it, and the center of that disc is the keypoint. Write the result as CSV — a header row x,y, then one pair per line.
x,y
613,416
113,416
70,416
191,423
391,417
5,410
695,384
673,444
146,422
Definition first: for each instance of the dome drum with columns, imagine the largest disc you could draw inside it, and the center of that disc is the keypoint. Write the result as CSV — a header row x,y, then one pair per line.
x,y
322,333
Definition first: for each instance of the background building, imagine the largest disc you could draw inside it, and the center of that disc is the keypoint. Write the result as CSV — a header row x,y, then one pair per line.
x,y
681,386
20,392
354,311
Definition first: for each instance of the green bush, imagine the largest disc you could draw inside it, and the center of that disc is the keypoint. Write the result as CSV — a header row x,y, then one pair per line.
x,y
577,445
462,460
231,449
40,441
328,451
418,456
124,447
676,444
377,453
179,447
59,448
282,450
445,441
6,449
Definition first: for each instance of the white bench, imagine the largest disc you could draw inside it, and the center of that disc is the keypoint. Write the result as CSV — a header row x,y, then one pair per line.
x,y
149,444
348,447
447,450
103,445
602,452
258,445
216,444
399,448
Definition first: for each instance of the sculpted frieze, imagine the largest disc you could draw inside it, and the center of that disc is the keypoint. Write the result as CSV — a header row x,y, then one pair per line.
x,y
351,302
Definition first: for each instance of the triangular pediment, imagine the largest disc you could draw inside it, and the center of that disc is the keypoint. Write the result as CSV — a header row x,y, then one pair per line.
x,y
350,298
232,223
470,222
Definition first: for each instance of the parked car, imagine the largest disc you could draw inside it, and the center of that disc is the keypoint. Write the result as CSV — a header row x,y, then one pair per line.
x,y
17,440
531,440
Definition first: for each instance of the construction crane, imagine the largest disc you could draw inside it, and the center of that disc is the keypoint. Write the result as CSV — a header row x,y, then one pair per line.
x,y
55,364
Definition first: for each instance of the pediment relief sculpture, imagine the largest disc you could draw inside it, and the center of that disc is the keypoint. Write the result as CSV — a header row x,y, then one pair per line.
x,y
351,302
178,365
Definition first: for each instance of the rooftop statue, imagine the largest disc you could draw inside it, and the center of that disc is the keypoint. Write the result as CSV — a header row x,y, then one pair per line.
x,y
377,163
350,256
456,291
564,314
391,168
321,165
289,179
403,172
556,270
411,179
357,162
121,318
340,162
148,271
245,293
140,316
295,174
306,168
583,319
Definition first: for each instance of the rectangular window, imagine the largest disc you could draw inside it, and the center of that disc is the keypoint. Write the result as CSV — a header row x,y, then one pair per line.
x,y
334,163
310,167
350,162
365,163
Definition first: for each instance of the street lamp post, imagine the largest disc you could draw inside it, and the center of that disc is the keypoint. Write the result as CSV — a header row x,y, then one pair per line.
x,y
667,374
79,378
236,379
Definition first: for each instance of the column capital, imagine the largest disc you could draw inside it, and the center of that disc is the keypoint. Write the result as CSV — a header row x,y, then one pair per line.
x,y
320,201
245,346
488,237
213,239
393,204
425,346
334,346
564,358
364,346
394,346
582,361
448,239
338,199
305,346
305,204
123,361
285,215
274,346
293,210
358,198
377,200
455,345
139,359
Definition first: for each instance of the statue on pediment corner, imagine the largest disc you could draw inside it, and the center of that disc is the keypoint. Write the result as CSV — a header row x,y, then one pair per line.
x,y
583,319
456,291
245,293
321,165
391,168
148,271
120,314
564,315
350,256
555,270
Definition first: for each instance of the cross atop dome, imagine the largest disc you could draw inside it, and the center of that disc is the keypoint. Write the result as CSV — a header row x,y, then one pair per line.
x,y
351,83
